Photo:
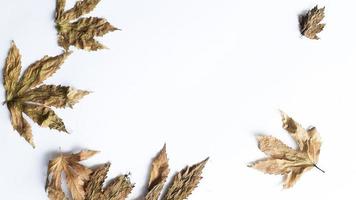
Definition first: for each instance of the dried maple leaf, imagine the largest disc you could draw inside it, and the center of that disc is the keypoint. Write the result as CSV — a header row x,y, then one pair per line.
x,y
23,95
87,184
82,32
76,175
118,189
310,24
283,160
183,183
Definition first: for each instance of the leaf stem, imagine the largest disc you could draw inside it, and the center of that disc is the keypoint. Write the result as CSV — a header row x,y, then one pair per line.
x,y
318,168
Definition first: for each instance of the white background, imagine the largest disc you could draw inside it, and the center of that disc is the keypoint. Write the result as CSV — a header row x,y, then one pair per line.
x,y
203,76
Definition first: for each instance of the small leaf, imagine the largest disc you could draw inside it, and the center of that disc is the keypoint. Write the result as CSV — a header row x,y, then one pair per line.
x,y
310,23
80,33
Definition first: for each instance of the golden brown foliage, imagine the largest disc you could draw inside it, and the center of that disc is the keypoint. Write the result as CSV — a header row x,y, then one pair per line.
x,y
82,32
310,24
283,160
76,175
24,95
87,184
118,188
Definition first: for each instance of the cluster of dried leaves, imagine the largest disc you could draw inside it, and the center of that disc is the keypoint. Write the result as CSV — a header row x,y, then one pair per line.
x,y
283,160
25,94
82,32
310,23
85,183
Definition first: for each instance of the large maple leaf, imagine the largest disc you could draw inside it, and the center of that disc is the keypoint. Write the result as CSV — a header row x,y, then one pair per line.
x,y
25,94
283,160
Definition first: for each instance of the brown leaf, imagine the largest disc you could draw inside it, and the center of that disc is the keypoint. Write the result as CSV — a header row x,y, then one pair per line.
x,y
75,173
118,189
26,95
158,175
185,182
310,23
80,33
286,161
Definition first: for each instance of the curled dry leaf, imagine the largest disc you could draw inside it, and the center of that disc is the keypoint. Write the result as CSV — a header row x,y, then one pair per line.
x,y
75,173
25,94
82,32
283,160
310,23
87,184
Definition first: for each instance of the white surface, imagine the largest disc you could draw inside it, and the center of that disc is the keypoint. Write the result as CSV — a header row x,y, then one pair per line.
x,y
204,76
